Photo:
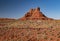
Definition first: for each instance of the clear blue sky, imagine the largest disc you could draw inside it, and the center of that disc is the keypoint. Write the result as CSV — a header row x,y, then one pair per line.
x,y
17,8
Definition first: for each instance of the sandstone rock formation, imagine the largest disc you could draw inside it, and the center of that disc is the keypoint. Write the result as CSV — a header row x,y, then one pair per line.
x,y
35,14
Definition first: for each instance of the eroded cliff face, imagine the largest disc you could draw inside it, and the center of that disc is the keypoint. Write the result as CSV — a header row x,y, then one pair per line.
x,y
35,14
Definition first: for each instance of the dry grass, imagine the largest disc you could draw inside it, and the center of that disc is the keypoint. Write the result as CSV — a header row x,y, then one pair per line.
x,y
30,30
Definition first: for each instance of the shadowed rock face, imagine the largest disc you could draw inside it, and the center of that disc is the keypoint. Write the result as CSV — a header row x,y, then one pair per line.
x,y
35,14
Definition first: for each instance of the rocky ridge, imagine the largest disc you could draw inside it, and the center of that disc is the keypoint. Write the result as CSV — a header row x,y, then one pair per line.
x,y
35,14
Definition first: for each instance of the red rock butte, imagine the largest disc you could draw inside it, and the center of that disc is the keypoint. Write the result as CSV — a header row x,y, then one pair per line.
x,y
35,14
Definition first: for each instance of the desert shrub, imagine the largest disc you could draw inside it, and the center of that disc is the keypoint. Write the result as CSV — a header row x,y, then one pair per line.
x,y
38,29
58,33
12,36
58,36
46,37
39,33
29,40
57,39
50,31
51,38
22,34
52,34
51,27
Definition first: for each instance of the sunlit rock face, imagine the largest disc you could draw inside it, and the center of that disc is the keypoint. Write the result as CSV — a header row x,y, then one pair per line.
x,y
35,14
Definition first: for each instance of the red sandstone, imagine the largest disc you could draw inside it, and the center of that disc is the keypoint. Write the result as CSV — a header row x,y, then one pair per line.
x,y
35,14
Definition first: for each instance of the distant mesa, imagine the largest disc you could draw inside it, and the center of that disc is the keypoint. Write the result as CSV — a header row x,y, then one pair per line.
x,y
6,19
35,14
